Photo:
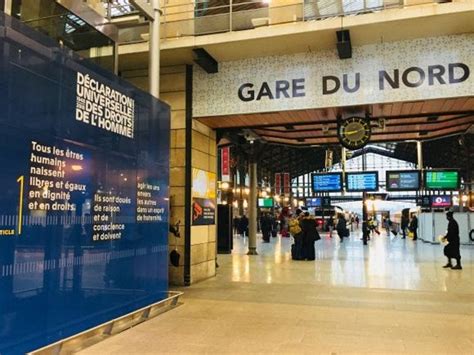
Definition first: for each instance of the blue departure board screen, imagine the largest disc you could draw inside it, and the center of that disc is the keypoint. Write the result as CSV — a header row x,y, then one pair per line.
x,y
366,181
328,182
314,202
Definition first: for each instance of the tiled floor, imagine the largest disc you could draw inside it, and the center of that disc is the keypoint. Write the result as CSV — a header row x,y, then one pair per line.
x,y
390,297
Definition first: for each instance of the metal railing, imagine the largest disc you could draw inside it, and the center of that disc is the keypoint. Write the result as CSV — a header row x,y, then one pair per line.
x,y
195,18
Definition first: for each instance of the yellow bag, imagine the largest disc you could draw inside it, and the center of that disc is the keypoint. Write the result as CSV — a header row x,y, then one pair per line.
x,y
294,225
411,235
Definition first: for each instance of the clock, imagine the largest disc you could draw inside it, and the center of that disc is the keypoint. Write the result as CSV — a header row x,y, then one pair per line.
x,y
354,132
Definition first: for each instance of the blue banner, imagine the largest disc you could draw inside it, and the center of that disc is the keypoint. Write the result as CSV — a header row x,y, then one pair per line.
x,y
84,203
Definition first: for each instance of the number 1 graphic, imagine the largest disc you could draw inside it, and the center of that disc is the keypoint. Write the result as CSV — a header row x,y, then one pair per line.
x,y
20,180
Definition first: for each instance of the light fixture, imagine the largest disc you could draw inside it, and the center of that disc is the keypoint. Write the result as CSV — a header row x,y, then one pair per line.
x,y
268,189
247,190
464,198
264,194
286,199
225,185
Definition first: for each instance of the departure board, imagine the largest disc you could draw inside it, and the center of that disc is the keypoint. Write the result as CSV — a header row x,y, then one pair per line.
x,y
442,180
364,181
314,202
403,180
328,182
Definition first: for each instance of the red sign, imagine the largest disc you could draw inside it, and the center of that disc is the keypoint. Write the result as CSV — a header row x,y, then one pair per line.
x,y
277,183
286,183
225,163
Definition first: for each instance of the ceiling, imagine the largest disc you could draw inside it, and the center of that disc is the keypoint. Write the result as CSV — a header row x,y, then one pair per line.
x,y
391,122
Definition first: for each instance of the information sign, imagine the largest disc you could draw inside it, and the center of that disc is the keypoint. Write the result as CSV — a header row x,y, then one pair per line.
x,y
265,202
314,202
327,182
442,180
364,181
403,180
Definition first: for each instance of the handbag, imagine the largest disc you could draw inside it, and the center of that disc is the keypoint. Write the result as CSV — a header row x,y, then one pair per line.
x,y
411,234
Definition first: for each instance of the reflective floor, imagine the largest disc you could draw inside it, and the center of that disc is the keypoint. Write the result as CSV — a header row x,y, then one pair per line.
x,y
389,297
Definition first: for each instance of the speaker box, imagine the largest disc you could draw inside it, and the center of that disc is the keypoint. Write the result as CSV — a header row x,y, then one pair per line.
x,y
344,47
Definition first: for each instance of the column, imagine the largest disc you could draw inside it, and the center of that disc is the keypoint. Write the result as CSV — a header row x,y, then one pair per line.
x,y
154,75
252,208
419,154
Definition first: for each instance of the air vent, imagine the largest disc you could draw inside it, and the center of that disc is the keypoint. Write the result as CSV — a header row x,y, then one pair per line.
x,y
432,118
289,127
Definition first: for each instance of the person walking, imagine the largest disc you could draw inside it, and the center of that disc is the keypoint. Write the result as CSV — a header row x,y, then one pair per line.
x,y
341,227
414,226
404,224
266,227
357,221
451,251
310,235
244,226
235,223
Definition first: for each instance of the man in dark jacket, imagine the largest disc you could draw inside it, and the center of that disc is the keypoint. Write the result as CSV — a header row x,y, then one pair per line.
x,y
244,226
266,227
309,236
452,249
341,227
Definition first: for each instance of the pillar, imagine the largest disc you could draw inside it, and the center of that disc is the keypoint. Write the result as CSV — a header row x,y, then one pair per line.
x,y
419,154
154,75
252,208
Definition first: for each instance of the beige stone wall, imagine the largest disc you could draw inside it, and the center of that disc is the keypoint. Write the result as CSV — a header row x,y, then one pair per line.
x,y
203,238
283,11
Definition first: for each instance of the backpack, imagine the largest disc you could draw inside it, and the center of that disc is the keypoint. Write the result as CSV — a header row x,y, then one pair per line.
x,y
294,226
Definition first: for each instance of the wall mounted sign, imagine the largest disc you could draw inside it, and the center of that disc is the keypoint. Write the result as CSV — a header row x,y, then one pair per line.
x,y
204,196
419,69
225,164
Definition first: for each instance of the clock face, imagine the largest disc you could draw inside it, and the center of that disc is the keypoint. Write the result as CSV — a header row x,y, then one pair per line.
x,y
354,133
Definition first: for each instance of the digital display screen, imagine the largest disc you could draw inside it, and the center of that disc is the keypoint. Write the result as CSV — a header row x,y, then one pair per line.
x,y
314,202
403,180
366,181
441,201
442,180
265,202
327,182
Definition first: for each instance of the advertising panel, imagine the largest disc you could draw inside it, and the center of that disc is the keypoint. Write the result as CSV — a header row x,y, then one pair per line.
x,y
84,203
441,201
204,195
